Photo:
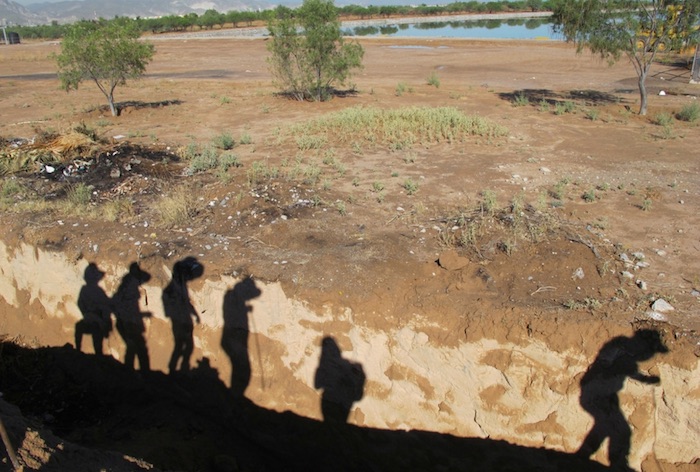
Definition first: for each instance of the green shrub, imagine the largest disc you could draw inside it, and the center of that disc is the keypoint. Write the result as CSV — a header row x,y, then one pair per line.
x,y
690,112
521,100
224,141
207,159
246,139
410,186
434,80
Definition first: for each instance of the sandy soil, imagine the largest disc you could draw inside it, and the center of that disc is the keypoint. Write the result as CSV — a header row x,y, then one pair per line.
x,y
372,251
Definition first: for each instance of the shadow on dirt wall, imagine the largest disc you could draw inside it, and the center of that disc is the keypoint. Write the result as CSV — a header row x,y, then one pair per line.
x,y
190,420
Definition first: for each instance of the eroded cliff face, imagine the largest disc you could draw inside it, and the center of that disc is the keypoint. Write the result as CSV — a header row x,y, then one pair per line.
x,y
483,372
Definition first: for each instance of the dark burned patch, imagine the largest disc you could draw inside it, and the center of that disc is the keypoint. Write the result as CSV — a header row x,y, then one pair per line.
x,y
119,170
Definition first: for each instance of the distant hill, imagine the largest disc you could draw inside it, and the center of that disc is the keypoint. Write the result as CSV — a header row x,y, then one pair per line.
x,y
72,10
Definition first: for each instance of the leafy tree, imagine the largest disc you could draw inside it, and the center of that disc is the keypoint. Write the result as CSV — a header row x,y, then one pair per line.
x,y
308,53
637,29
106,52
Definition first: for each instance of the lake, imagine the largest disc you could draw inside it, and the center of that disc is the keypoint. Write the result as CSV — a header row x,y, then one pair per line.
x,y
521,28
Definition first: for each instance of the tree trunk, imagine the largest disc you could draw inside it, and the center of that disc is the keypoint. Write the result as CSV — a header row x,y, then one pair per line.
x,y
642,93
112,108
695,72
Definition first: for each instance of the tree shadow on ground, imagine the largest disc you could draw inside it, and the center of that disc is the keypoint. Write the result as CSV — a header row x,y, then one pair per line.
x,y
193,422
537,97
134,105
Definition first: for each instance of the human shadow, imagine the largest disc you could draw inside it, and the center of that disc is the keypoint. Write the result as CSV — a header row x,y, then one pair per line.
x,y
189,422
616,361
130,325
341,380
96,308
234,340
178,307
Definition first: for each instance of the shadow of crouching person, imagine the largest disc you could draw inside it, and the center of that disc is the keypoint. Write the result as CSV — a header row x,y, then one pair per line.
x,y
130,324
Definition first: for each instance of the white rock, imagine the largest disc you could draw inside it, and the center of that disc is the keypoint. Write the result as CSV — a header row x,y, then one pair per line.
x,y
655,315
662,93
578,273
545,170
642,284
662,306
627,275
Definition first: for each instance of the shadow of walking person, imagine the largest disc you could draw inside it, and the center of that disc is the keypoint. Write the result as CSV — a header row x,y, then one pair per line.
x,y
129,316
234,340
341,380
616,361
178,307
96,308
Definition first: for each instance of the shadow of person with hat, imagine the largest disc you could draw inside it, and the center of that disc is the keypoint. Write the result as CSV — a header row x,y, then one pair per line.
x,y
96,308
178,307
130,324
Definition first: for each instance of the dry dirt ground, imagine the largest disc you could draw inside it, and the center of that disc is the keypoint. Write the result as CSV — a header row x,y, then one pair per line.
x,y
343,230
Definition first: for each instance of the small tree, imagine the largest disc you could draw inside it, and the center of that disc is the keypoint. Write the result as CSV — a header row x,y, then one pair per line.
x,y
106,52
308,53
638,29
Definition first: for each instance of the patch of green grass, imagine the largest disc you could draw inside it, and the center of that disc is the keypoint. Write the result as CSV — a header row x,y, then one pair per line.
x,y
543,105
592,114
396,128
377,186
646,204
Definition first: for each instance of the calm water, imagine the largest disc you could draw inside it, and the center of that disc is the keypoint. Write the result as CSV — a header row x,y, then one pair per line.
x,y
533,28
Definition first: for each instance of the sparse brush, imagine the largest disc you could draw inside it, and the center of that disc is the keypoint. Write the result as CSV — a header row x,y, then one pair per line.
x,y
177,206
118,210
228,160
488,202
377,186
663,119
434,80
79,194
261,171
401,87
592,114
